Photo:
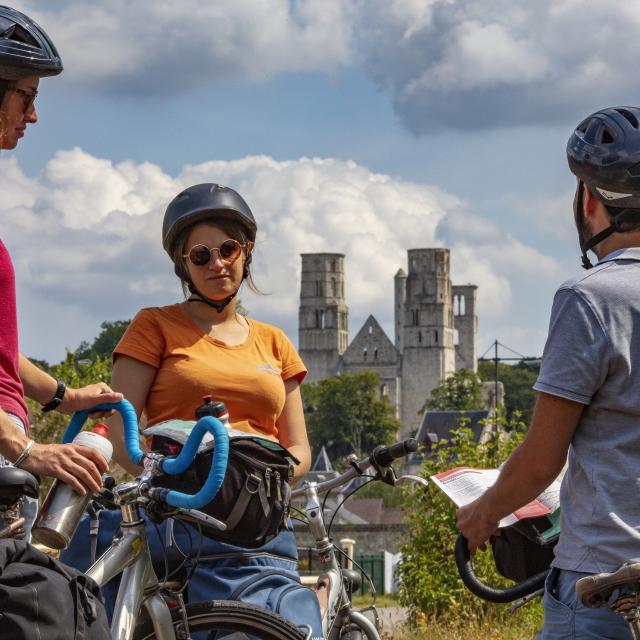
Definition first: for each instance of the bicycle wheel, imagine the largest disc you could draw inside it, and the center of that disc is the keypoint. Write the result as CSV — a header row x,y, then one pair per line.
x,y
228,620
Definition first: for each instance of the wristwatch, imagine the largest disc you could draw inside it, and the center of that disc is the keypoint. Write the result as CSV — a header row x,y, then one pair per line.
x,y
56,401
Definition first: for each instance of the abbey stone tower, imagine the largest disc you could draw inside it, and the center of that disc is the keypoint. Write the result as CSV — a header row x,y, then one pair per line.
x,y
435,327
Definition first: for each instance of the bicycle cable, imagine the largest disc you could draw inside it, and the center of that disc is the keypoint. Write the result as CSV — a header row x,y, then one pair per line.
x,y
335,511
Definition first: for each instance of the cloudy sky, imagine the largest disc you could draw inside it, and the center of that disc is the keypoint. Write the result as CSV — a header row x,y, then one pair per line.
x,y
365,127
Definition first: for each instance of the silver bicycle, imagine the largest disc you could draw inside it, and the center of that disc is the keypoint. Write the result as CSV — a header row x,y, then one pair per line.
x,y
335,585
146,607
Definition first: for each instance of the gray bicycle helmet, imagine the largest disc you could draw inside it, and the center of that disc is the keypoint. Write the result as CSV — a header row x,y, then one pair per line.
x,y
25,48
604,153
206,201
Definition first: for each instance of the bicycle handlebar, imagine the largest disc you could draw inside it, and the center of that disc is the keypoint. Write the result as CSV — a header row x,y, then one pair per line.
x,y
129,420
478,588
172,465
383,456
187,455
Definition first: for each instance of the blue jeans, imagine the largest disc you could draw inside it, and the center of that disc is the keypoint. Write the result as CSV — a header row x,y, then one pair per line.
x,y
566,618
29,508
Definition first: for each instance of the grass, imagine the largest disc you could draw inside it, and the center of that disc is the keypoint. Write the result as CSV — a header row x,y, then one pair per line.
x,y
524,624
441,630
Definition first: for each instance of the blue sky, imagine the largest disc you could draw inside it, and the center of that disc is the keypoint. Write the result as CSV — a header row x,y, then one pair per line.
x,y
365,127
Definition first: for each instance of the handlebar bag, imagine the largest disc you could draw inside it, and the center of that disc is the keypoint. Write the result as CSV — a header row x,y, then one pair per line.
x,y
518,551
42,598
254,498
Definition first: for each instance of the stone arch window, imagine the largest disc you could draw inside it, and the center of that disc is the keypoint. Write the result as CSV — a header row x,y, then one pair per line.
x,y
415,317
436,335
334,287
384,390
420,337
375,353
364,353
370,329
320,319
319,291
333,265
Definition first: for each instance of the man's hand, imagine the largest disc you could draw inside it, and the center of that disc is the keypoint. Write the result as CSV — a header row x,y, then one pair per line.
x,y
87,397
475,525
79,467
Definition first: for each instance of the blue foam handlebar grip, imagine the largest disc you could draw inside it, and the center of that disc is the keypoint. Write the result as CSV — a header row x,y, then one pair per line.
x,y
129,420
186,457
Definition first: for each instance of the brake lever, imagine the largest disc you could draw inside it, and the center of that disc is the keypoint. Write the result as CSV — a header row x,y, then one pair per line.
x,y
418,479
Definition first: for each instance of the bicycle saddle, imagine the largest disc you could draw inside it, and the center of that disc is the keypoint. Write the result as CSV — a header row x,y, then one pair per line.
x,y
595,591
15,482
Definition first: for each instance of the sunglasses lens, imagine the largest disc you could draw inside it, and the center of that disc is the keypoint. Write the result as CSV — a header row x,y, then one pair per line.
x,y
230,250
199,255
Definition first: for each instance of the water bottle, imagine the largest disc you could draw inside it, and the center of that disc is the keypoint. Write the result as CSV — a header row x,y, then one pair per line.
x,y
62,509
214,408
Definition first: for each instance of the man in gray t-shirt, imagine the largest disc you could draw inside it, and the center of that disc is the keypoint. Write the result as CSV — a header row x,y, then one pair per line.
x,y
588,405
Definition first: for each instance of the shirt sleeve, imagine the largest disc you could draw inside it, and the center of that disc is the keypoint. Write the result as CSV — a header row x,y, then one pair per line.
x,y
576,355
292,365
143,340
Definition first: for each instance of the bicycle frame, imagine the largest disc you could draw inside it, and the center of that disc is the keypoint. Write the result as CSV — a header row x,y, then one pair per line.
x,y
130,556
335,603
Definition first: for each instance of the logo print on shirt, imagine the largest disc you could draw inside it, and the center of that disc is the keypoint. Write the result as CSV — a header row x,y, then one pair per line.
x,y
269,368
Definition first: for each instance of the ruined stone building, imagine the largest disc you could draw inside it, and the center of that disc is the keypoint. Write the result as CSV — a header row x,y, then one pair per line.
x,y
435,326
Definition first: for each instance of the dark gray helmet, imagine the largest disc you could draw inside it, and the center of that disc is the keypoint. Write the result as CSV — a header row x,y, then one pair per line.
x,y
604,152
201,202
25,48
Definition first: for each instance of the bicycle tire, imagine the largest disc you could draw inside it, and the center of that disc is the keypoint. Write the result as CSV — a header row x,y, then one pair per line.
x,y
226,615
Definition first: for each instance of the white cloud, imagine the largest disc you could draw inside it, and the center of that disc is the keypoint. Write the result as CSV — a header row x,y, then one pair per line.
x,y
161,47
463,64
85,239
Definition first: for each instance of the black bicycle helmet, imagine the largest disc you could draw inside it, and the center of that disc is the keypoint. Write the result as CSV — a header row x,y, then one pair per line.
x,y
206,201
604,154
25,48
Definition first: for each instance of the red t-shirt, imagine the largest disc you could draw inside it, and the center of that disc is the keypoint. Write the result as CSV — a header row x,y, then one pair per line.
x,y
11,389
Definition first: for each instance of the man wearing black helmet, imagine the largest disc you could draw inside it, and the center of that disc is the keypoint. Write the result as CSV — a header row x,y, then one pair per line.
x,y
589,400
26,55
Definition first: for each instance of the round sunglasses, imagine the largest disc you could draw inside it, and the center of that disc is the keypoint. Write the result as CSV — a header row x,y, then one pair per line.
x,y
229,251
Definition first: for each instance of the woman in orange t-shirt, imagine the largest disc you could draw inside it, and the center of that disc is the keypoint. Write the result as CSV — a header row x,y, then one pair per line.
x,y
171,356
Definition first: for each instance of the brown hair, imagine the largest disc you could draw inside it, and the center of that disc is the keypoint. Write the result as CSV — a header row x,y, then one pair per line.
x,y
233,230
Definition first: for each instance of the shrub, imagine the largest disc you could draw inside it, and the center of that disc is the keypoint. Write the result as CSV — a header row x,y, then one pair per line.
x,y
430,583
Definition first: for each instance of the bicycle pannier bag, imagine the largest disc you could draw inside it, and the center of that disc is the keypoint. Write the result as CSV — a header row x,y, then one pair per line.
x,y
254,498
518,552
43,598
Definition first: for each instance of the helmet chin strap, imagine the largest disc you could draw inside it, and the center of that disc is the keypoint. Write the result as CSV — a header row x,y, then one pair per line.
x,y
586,244
218,306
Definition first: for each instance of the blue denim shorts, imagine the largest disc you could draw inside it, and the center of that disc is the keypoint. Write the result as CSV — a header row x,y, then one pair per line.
x,y
566,618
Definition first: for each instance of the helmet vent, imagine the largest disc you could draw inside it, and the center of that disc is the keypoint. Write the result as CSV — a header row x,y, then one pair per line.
x,y
606,136
633,121
18,34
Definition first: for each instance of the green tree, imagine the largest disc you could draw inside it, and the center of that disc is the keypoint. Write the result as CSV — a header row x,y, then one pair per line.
x,y
347,414
105,342
518,381
430,583
461,391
